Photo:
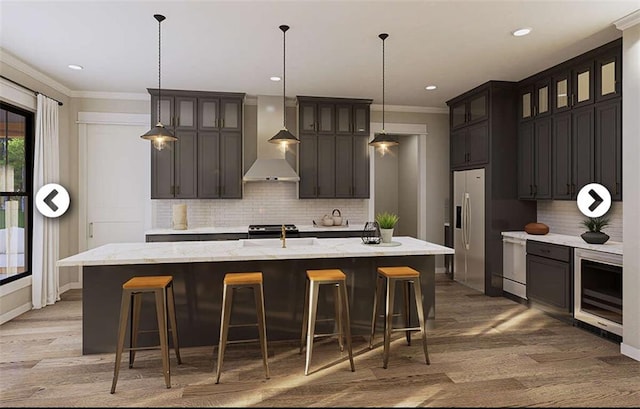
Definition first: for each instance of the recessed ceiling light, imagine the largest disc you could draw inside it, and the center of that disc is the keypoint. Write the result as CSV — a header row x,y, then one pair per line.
x,y
75,67
430,87
521,32
275,78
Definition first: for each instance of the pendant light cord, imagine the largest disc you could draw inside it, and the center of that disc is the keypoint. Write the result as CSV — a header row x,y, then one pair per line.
x,y
383,37
284,29
160,19
159,71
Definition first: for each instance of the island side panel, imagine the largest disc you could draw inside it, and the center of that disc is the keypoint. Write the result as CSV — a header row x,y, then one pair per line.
x,y
198,294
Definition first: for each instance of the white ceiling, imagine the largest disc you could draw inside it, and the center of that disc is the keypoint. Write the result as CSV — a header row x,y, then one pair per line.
x,y
332,48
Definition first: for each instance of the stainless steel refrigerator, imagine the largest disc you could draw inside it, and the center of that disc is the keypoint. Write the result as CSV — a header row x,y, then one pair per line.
x,y
468,232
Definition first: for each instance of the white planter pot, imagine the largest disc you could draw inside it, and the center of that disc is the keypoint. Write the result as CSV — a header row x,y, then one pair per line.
x,y
386,235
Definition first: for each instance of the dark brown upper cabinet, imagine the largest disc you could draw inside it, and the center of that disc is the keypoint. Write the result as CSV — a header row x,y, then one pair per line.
x,y
206,160
352,119
535,100
608,146
334,150
317,117
608,68
219,114
534,159
585,103
582,84
470,110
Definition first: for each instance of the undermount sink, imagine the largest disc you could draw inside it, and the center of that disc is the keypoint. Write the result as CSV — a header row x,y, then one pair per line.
x,y
274,243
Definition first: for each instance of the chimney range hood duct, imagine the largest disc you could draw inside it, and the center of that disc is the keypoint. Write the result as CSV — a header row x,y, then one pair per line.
x,y
270,164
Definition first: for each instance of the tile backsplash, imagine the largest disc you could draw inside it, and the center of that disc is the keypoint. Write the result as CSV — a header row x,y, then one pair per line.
x,y
563,217
262,203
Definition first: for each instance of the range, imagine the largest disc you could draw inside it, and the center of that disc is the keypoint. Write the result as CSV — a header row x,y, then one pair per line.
x,y
266,231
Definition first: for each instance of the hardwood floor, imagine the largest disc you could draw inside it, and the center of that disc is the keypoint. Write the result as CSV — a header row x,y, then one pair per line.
x,y
484,352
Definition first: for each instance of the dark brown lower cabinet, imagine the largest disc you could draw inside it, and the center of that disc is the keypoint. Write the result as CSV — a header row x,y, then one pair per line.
x,y
550,276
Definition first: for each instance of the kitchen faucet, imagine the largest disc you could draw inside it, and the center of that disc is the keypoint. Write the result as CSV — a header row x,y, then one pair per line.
x,y
283,236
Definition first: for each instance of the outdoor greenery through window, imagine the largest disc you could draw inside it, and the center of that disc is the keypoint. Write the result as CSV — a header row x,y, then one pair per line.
x,y
16,136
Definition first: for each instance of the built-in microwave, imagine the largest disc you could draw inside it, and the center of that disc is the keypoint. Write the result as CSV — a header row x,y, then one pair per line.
x,y
598,289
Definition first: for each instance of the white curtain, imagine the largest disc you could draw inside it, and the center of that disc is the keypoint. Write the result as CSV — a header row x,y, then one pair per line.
x,y
44,274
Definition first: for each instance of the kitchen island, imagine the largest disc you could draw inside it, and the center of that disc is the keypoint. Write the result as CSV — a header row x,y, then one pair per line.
x,y
198,269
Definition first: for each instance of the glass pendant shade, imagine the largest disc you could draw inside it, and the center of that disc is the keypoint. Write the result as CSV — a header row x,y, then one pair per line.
x,y
383,139
284,137
159,135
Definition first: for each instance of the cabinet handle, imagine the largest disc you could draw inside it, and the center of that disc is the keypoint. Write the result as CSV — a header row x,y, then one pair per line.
x,y
533,108
530,190
91,230
535,190
222,126
172,189
572,100
177,190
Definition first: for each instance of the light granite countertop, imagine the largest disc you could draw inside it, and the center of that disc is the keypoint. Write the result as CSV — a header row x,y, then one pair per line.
x,y
614,247
246,250
245,229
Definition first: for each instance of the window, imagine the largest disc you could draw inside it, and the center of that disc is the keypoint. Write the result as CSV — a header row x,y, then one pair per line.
x,y
16,184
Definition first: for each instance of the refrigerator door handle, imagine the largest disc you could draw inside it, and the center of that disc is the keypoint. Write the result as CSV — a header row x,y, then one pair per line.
x,y
467,220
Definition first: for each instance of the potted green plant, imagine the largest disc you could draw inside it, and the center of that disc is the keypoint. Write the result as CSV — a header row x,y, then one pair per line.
x,y
594,234
387,222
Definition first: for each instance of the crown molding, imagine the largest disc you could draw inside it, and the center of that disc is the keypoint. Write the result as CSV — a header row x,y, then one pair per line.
x,y
628,21
133,96
408,108
20,65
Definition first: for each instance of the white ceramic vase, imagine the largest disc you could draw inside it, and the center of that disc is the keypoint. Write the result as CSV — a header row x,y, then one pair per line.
x,y
386,235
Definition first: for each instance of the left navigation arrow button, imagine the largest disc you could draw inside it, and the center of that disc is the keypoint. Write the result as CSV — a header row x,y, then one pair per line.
x,y
52,200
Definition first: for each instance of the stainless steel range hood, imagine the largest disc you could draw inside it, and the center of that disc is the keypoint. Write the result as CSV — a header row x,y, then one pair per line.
x,y
270,164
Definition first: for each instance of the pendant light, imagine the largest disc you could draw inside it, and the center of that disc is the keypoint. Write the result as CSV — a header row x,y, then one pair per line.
x,y
383,140
284,137
159,135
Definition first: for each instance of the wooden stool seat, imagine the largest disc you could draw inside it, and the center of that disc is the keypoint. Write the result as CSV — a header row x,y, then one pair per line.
x,y
398,272
315,278
232,282
392,275
132,290
242,278
147,283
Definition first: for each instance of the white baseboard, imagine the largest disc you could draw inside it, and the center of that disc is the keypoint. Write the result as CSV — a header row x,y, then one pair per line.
x,y
441,270
631,352
70,286
8,316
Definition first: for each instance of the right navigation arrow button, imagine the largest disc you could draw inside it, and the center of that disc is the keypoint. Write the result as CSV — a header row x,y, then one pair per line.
x,y
597,199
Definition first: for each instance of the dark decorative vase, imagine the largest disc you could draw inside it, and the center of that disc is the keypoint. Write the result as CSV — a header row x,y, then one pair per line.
x,y
371,233
594,237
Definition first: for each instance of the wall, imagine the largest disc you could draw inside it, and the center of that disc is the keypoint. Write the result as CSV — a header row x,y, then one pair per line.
x,y
563,217
19,299
631,188
396,175
262,203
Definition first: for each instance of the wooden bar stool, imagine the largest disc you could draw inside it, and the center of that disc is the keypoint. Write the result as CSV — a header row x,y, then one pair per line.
x,y
132,291
316,278
407,276
232,282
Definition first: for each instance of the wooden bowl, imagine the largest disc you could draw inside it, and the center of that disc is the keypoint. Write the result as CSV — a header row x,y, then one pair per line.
x,y
536,228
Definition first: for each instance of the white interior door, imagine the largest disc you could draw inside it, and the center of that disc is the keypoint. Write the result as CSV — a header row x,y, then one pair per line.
x,y
117,184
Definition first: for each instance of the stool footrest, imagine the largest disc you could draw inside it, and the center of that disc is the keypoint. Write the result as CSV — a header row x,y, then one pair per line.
x,y
405,329
326,335
141,348
242,325
242,341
